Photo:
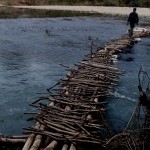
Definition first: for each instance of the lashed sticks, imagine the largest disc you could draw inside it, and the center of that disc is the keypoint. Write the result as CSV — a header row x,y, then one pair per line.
x,y
77,112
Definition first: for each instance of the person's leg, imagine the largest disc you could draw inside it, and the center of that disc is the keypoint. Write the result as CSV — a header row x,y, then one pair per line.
x,y
130,32
131,29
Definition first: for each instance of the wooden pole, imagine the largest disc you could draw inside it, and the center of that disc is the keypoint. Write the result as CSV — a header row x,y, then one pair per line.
x,y
65,147
30,139
37,140
72,147
52,145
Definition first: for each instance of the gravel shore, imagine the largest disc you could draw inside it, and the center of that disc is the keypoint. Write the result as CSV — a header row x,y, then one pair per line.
x,y
144,12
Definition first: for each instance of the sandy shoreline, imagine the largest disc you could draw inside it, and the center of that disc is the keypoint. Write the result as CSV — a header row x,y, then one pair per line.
x,y
144,12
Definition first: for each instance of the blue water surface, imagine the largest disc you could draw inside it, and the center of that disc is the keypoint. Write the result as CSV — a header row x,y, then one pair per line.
x,y
32,50
125,95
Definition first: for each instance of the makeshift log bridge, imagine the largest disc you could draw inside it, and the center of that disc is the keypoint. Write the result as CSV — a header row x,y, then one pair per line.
x,y
73,115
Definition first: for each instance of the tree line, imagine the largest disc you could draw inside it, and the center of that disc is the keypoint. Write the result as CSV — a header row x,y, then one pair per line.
x,y
132,3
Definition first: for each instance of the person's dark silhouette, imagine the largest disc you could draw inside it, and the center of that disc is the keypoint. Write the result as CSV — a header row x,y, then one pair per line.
x,y
132,19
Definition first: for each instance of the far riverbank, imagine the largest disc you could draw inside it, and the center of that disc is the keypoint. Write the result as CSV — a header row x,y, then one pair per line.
x,y
144,12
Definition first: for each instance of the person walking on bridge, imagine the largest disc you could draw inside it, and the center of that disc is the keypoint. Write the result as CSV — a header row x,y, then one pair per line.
x,y
132,19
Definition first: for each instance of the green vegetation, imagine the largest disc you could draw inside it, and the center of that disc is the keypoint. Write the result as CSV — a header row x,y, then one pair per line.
x,y
137,3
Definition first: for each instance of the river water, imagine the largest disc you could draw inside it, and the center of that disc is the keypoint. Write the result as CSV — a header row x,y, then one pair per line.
x,y
125,95
32,50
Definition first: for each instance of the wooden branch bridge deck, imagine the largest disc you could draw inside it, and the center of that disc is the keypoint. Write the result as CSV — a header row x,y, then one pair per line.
x,y
72,116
